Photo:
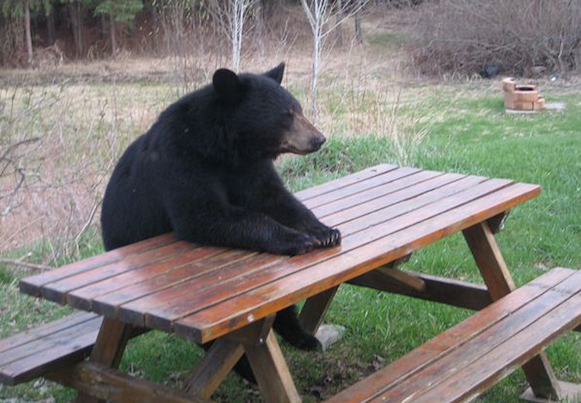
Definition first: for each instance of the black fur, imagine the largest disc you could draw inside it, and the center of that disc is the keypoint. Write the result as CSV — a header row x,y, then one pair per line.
x,y
205,171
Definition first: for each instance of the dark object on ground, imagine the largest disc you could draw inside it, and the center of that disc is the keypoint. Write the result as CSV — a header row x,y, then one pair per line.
x,y
490,71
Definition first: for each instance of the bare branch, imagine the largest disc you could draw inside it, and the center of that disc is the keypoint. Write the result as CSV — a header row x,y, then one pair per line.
x,y
20,263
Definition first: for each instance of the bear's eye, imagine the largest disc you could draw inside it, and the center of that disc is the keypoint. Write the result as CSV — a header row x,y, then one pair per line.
x,y
290,113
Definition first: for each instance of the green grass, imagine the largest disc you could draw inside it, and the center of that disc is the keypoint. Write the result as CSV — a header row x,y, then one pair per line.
x,y
472,136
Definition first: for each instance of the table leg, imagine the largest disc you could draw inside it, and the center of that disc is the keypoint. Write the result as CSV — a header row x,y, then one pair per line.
x,y
271,372
214,367
264,355
495,273
108,349
314,310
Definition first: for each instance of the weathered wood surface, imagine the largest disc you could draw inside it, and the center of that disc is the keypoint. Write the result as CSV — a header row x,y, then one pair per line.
x,y
32,353
271,372
202,293
462,362
486,253
106,384
437,289
214,367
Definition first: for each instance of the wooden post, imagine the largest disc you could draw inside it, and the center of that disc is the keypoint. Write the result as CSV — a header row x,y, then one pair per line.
x,y
111,385
271,372
495,273
314,310
214,367
108,350
219,360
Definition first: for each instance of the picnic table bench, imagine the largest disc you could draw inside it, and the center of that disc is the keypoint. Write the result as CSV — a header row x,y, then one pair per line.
x,y
230,297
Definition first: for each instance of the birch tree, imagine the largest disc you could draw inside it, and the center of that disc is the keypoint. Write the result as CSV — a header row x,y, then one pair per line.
x,y
323,17
231,16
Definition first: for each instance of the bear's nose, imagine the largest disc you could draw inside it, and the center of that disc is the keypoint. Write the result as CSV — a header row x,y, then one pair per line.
x,y
318,141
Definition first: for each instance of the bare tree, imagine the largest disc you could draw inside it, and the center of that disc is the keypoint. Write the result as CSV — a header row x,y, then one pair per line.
x,y
231,16
28,36
13,173
323,17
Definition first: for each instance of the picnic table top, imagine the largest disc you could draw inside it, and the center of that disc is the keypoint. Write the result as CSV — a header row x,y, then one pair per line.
x,y
202,292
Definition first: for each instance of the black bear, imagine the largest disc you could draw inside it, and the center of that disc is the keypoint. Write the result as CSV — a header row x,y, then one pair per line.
x,y
205,170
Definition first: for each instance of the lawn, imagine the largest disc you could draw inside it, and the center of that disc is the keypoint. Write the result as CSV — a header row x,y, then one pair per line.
x,y
465,133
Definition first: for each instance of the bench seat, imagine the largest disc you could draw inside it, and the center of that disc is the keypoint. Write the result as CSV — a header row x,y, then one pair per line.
x,y
467,359
40,350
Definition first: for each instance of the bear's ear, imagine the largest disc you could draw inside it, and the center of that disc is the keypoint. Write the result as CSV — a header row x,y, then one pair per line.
x,y
276,73
227,85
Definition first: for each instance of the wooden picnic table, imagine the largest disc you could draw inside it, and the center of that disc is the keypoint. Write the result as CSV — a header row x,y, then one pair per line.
x,y
230,296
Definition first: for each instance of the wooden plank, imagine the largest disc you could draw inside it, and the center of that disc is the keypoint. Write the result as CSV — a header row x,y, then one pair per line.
x,y
409,198
32,367
314,310
344,181
359,187
427,354
163,308
107,384
438,289
217,363
180,287
402,277
31,285
108,304
442,199
48,342
471,350
271,372
194,262
56,291
376,192
45,329
379,250
482,373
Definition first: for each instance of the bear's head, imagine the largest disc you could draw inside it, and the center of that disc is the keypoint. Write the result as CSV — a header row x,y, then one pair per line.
x,y
265,118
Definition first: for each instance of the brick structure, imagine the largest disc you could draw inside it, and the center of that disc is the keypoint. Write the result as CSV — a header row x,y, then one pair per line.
x,y
521,97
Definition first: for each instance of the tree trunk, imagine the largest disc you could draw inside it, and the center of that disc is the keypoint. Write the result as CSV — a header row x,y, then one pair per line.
x,y
27,34
50,30
104,28
315,73
76,15
113,37
339,29
358,30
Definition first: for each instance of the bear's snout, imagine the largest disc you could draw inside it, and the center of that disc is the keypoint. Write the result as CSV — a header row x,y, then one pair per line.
x,y
318,141
302,137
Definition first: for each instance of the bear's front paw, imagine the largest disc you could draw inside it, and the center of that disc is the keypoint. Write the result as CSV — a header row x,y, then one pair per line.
x,y
293,244
308,343
326,236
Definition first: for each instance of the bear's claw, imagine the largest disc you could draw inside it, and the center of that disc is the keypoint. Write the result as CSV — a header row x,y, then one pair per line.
x,y
326,236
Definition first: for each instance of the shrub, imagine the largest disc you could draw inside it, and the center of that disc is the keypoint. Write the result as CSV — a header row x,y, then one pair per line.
x,y
465,36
